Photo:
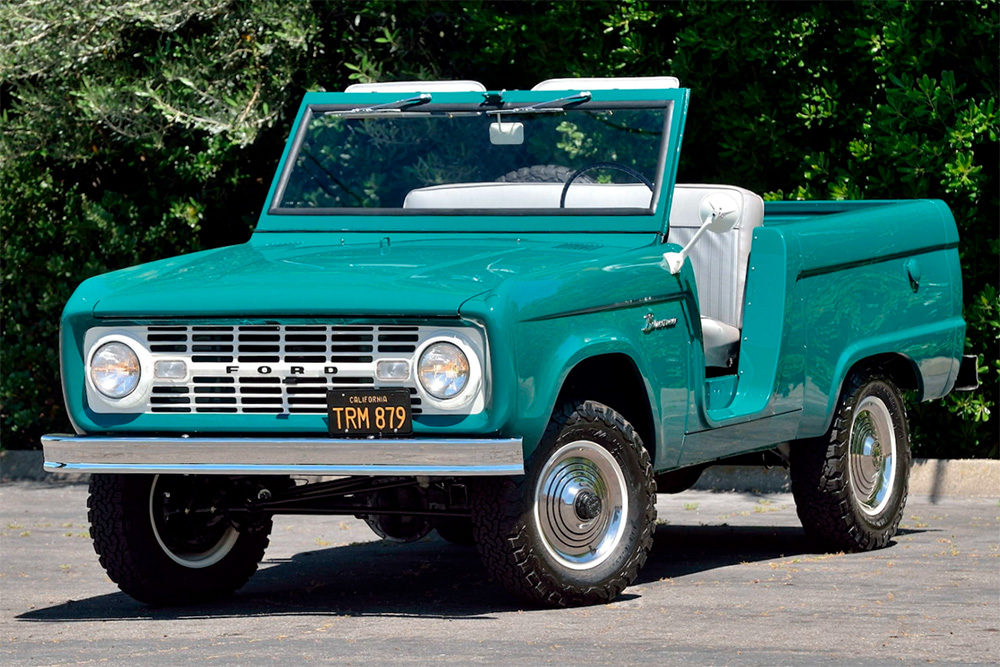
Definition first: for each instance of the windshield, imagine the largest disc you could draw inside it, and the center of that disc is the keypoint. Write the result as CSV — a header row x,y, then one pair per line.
x,y
456,159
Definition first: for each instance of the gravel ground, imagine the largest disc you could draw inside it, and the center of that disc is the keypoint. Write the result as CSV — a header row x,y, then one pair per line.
x,y
731,580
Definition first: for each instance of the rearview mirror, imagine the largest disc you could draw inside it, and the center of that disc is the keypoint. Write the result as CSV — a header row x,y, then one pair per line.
x,y
506,134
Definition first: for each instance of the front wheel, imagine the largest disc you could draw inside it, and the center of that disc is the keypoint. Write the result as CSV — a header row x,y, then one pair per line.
x,y
850,486
577,528
165,539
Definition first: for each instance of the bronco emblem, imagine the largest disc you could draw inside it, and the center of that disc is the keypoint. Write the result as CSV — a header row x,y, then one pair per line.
x,y
652,324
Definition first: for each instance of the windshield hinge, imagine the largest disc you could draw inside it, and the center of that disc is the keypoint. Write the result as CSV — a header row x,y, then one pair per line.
x,y
494,96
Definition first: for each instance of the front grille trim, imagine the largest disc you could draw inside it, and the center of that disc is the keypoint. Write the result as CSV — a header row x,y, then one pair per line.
x,y
292,380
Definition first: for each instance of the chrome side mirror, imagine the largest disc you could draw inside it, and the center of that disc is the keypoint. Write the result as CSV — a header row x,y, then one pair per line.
x,y
718,213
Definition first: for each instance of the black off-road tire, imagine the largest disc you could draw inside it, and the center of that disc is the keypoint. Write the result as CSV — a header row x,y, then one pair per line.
x,y
126,541
541,173
520,547
835,483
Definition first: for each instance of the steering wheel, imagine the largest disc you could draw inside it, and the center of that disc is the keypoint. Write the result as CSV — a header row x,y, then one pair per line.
x,y
602,165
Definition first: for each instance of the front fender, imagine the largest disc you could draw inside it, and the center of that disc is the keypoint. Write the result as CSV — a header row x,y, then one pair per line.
x,y
551,322
541,378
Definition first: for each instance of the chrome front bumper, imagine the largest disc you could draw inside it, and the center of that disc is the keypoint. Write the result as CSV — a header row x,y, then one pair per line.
x,y
283,456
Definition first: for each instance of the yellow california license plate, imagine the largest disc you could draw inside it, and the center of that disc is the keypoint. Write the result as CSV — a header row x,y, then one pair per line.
x,y
362,412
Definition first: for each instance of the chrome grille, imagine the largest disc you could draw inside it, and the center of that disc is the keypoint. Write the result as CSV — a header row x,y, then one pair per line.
x,y
274,368
277,343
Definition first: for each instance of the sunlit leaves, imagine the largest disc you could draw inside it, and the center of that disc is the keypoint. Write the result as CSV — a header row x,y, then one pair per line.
x,y
124,138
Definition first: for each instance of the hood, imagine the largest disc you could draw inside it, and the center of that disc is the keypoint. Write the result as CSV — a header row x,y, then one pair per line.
x,y
425,277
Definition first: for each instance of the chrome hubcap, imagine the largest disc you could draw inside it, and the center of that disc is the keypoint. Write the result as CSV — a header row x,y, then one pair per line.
x,y
581,505
872,455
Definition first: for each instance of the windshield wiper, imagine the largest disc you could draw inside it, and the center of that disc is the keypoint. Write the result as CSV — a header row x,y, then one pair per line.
x,y
551,106
398,105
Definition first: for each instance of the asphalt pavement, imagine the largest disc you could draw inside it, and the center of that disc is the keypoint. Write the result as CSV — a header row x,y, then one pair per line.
x,y
731,580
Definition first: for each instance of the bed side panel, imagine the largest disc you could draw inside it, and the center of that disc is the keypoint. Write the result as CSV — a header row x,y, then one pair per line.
x,y
873,281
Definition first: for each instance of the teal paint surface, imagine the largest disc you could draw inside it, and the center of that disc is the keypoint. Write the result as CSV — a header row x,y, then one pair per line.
x,y
830,286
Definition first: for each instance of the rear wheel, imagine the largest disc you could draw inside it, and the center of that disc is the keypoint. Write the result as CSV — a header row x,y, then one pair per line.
x,y
165,539
850,486
577,528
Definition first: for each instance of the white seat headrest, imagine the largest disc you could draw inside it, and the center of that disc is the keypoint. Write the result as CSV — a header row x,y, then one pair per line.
x,y
684,208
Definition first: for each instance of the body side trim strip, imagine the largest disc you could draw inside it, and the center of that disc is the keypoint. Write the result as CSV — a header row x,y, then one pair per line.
x,y
621,305
819,271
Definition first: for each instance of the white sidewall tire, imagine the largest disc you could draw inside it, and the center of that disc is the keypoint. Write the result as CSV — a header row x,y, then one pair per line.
x,y
194,560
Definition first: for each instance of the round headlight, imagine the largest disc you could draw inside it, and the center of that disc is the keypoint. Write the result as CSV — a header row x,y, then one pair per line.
x,y
114,370
443,370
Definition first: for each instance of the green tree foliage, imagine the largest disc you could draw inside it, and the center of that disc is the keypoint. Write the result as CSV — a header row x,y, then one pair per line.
x,y
126,127
142,129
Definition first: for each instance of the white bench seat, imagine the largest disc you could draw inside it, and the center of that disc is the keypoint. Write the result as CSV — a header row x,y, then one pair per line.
x,y
528,195
722,342
720,264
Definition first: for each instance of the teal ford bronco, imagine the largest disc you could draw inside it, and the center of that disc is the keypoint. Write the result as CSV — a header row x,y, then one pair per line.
x,y
497,315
